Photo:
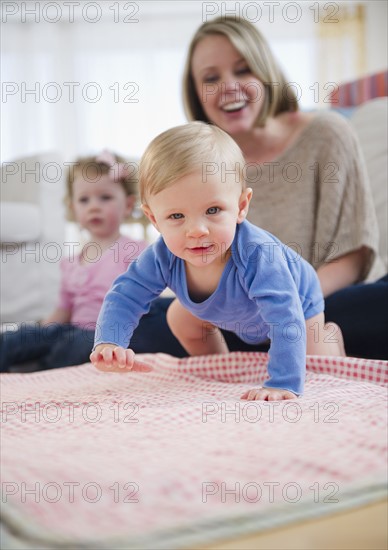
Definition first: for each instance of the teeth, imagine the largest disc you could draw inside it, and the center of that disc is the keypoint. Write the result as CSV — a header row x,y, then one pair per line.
x,y
234,106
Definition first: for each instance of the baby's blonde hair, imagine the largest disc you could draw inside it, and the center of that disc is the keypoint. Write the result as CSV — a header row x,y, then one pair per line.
x,y
185,149
251,44
91,169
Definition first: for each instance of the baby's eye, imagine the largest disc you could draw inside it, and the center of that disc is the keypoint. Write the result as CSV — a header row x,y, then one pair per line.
x,y
213,210
176,216
83,199
243,70
106,197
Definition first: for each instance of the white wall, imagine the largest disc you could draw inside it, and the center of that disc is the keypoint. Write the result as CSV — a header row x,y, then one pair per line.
x,y
376,32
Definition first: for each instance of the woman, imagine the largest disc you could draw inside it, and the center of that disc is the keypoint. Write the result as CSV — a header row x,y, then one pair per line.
x,y
310,183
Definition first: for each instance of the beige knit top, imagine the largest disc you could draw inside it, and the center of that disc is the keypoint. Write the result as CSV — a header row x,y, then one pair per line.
x,y
315,196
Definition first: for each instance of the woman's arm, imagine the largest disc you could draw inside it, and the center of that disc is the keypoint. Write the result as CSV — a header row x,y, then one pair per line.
x,y
343,271
346,232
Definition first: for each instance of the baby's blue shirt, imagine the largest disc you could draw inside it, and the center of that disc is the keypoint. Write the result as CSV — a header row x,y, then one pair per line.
x,y
265,292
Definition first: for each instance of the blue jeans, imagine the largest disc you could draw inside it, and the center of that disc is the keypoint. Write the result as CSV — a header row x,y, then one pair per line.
x,y
361,311
153,334
52,346
57,345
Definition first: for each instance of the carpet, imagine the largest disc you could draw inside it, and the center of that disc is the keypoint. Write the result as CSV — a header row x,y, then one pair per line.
x,y
174,458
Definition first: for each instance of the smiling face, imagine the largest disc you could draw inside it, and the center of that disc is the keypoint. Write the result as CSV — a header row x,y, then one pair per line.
x,y
100,206
197,218
231,96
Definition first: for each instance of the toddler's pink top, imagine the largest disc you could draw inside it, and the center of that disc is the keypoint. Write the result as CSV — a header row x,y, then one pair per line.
x,y
84,285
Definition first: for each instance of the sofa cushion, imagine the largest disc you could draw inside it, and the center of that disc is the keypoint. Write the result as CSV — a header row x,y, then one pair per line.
x,y
370,123
33,223
20,222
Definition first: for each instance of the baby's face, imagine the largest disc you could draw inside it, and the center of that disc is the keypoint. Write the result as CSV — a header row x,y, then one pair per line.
x,y
197,216
100,206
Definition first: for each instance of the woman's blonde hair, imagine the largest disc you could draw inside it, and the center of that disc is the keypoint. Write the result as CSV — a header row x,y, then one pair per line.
x,y
91,169
279,96
185,149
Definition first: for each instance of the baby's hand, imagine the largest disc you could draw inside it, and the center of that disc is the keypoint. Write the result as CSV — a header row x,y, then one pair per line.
x,y
267,394
111,358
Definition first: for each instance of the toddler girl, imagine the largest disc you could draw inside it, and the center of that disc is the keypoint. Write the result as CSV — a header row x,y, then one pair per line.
x,y
101,193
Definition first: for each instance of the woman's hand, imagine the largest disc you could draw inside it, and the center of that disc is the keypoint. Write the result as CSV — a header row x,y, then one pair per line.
x,y
112,358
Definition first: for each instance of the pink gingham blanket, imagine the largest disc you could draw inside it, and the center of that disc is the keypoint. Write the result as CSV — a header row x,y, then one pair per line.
x,y
173,458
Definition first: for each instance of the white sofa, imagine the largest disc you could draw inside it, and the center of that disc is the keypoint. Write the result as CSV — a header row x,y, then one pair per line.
x,y
370,122
32,236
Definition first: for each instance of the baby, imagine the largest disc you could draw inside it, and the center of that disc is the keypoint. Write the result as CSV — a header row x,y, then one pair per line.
x,y
225,272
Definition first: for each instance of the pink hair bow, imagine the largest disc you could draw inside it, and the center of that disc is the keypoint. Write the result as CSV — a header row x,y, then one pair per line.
x,y
118,170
